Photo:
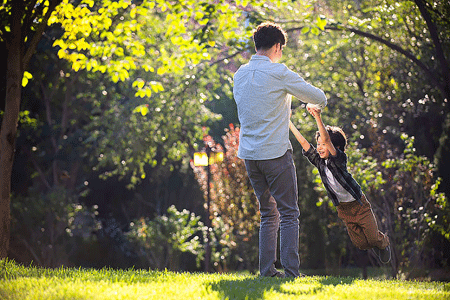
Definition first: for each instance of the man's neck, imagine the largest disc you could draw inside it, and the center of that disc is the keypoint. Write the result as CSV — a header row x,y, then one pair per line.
x,y
266,55
270,53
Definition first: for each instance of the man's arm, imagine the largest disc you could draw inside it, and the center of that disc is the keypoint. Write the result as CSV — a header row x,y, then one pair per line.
x,y
305,92
303,142
315,112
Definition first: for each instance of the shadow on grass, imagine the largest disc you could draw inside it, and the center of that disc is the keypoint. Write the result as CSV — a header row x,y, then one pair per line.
x,y
256,288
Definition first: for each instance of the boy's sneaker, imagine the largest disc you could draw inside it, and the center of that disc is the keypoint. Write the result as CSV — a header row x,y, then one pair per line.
x,y
383,254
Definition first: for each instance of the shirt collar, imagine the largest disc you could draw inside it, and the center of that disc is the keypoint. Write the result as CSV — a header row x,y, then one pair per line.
x,y
260,57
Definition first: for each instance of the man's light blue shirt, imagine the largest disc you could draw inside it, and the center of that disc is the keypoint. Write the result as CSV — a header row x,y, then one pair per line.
x,y
263,93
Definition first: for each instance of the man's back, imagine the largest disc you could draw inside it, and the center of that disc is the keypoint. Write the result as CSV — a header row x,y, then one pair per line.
x,y
263,109
262,91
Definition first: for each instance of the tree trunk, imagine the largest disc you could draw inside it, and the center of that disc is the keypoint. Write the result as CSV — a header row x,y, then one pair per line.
x,y
17,59
8,130
443,150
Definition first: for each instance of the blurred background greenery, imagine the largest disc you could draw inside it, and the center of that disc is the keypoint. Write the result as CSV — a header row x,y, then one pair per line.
x,y
118,95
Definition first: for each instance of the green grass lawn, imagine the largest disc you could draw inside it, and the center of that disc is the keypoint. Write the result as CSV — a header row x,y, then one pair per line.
x,y
19,282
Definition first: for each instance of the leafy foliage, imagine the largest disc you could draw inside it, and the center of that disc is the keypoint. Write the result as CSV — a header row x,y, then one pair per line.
x,y
144,77
47,224
150,49
418,207
234,207
96,40
161,240
380,85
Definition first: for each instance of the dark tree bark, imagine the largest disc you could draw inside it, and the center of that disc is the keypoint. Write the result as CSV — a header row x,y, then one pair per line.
x,y
23,27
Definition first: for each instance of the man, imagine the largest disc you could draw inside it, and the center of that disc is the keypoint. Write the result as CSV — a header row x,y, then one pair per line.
x,y
263,89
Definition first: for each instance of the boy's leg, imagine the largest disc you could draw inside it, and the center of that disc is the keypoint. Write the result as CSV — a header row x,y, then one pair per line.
x,y
368,222
363,230
347,212
361,225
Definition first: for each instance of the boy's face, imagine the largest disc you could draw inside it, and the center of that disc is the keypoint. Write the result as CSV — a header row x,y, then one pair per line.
x,y
322,148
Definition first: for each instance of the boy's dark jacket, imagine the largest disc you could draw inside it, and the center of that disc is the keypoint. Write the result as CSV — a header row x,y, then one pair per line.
x,y
338,167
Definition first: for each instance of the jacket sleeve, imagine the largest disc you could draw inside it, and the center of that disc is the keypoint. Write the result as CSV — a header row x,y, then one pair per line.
x,y
340,159
312,155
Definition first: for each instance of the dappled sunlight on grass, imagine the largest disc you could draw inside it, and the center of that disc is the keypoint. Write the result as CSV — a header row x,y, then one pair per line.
x,y
319,287
18,282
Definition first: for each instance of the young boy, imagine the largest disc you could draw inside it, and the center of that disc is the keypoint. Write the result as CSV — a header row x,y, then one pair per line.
x,y
351,204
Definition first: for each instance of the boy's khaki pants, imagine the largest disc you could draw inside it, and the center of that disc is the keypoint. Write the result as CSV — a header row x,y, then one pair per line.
x,y
361,224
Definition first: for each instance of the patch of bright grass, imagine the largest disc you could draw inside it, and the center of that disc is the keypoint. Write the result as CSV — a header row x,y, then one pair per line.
x,y
19,282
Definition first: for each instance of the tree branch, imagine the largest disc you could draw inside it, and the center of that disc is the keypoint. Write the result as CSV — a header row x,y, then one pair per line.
x,y
437,45
38,33
390,45
29,16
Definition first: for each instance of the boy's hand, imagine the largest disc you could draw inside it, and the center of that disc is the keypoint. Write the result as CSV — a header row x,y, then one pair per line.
x,y
313,109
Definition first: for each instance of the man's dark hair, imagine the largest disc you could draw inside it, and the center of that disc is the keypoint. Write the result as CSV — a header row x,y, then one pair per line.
x,y
337,136
268,34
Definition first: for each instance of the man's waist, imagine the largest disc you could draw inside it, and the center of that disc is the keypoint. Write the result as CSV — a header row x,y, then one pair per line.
x,y
263,152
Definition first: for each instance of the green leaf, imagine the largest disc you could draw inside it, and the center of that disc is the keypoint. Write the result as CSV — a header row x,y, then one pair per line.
x,y
26,76
139,83
143,109
321,23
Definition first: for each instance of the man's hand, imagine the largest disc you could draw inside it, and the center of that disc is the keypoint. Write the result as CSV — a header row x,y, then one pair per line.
x,y
313,109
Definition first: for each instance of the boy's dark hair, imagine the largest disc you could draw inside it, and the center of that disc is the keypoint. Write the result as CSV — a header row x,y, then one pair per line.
x,y
268,34
337,136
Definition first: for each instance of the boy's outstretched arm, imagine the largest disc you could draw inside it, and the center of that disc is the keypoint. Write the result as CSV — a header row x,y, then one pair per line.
x,y
315,112
305,144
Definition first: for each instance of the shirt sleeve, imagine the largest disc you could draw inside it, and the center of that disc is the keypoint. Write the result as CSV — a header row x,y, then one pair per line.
x,y
312,155
340,159
298,87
